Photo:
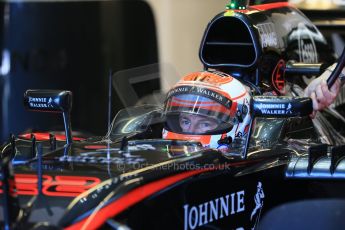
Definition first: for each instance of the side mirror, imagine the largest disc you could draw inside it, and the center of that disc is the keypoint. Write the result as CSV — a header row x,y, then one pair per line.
x,y
275,107
48,100
53,101
272,106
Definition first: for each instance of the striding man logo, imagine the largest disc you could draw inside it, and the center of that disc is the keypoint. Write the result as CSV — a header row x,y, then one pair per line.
x,y
259,203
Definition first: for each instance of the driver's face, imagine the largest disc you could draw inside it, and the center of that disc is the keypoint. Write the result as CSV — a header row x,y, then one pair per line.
x,y
196,124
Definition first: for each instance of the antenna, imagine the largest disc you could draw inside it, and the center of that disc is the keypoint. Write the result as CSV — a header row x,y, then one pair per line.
x,y
109,99
109,113
68,129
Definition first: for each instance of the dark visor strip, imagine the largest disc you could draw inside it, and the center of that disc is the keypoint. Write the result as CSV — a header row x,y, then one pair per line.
x,y
180,90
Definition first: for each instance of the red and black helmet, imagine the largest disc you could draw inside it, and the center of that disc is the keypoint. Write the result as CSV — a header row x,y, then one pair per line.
x,y
219,101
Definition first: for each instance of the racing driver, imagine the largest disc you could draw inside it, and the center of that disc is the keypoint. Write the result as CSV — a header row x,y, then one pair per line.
x,y
213,108
208,106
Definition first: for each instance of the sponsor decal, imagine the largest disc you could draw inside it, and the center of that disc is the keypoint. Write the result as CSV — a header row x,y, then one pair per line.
x,y
99,156
40,102
102,160
213,210
68,186
306,45
202,92
228,205
307,49
275,108
268,35
109,184
259,203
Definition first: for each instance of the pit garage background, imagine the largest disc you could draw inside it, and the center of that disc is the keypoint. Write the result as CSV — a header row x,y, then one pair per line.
x,y
76,45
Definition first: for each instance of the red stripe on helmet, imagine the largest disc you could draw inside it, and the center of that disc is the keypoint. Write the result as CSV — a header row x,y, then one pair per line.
x,y
219,108
198,102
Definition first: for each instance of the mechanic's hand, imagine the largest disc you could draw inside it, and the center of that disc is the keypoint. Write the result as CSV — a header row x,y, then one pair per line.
x,y
318,91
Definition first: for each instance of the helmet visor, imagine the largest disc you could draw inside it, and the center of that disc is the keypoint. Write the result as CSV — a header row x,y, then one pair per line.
x,y
198,114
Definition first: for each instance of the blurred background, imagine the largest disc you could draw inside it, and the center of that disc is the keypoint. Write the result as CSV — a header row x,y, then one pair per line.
x,y
76,45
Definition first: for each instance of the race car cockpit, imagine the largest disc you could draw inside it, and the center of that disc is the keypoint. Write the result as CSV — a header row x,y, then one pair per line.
x,y
268,115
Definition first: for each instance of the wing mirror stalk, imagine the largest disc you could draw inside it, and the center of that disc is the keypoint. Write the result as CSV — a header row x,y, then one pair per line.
x,y
52,101
277,107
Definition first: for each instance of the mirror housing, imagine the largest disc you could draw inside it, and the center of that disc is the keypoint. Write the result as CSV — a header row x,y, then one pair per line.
x,y
273,106
48,100
53,101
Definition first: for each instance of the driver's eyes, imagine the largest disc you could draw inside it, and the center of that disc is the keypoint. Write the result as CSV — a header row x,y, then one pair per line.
x,y
205,125
185,122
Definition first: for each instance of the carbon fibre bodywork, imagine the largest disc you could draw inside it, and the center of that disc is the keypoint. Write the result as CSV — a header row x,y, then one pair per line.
x,y
160,183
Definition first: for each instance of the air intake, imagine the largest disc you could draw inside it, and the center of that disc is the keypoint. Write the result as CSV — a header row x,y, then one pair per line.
x,y
228,41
